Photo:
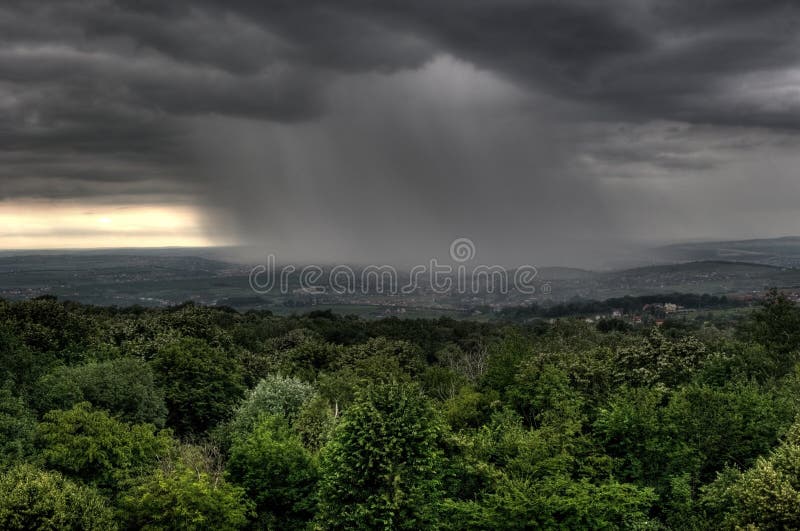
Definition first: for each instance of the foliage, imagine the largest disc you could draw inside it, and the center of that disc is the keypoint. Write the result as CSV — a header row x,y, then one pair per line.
x,y
274,395
540,479
469,408
278,473
16,428
33,499
766,496
91,446
184,495
559,502
659,360
381,469
123,386
542,394
19,365
408,356
314,423
630,427
397,423
201,384
776,325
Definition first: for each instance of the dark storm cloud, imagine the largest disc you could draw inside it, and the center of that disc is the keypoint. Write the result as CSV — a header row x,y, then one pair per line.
x,y
647,60
276,110
270,59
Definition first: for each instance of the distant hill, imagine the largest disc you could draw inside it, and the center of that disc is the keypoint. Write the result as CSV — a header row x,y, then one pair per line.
x,y
783,252
564,273
709,276
702,267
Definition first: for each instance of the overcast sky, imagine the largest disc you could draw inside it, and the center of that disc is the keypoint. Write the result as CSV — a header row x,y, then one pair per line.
x,y
546,131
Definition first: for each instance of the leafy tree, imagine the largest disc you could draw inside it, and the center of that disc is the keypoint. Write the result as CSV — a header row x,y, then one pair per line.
x,y
507,445
96,448
191,320
340,387
559,502
542,394
540,479
658,359
201,384
308,355
614,324
16,428
382,467
656,436
314,423
775,323
33,499
469,408
19,366
123,386
408,356
274,395
142,335
630,428
277,472
48,326
720,426
766,496
591,371
442,383
737,361
182,495
503,358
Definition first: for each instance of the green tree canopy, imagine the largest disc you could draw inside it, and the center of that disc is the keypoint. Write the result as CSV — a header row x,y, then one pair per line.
x,y
767,495
184,494
274,395
96,448
278,473
381,469
16,428
201,383
123,386
33,499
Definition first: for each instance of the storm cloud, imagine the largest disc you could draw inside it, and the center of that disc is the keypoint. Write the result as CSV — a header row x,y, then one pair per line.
x,y
546,131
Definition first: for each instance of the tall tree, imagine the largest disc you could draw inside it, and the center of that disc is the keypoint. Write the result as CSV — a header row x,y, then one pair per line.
x,y
201,384
381,469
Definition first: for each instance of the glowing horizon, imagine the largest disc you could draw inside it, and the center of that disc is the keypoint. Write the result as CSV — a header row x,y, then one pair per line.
x,y
47,224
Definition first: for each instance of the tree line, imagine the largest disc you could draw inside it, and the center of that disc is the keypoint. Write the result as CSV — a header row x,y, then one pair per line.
x,y
628,305
205,418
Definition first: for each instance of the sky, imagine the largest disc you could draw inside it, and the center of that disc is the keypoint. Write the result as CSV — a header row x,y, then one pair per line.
x,y
547,132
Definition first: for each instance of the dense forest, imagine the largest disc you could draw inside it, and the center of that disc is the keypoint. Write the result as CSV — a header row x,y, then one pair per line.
x,y
204,418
